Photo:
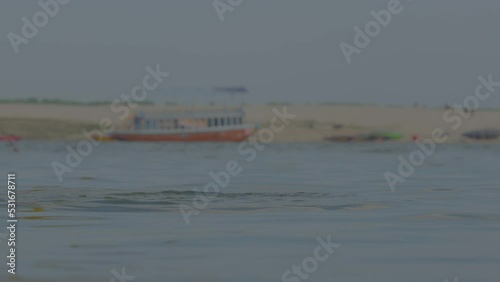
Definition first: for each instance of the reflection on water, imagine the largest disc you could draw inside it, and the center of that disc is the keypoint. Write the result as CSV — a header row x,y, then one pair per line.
x,y
119,209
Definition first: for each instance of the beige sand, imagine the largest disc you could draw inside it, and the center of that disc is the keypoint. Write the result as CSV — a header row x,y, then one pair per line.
x,y
313,122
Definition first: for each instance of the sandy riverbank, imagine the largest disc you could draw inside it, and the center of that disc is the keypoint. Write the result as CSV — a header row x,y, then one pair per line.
x,y
313,122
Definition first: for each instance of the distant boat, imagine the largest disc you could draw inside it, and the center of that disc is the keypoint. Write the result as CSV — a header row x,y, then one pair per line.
x,y
196,126
370,137
206,124
484,134
11,138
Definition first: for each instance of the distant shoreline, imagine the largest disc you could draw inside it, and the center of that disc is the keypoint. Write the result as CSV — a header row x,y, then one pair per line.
x,y
59,102
313,123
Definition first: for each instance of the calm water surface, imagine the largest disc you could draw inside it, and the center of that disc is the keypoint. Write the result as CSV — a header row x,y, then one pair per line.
x,y
119,209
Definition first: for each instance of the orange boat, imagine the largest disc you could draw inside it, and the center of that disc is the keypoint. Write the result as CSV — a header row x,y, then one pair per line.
x,y
10,138
206,124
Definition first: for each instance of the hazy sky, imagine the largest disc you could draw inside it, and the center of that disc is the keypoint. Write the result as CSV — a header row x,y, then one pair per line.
x,y
282,50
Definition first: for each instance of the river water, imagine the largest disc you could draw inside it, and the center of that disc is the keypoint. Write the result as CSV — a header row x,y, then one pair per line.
x,y
118,213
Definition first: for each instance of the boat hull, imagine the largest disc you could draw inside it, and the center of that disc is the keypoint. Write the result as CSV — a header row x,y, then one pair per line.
x,y
10,138
230,135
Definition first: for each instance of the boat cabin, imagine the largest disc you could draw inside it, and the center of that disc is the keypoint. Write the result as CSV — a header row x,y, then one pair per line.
x,y
187,120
